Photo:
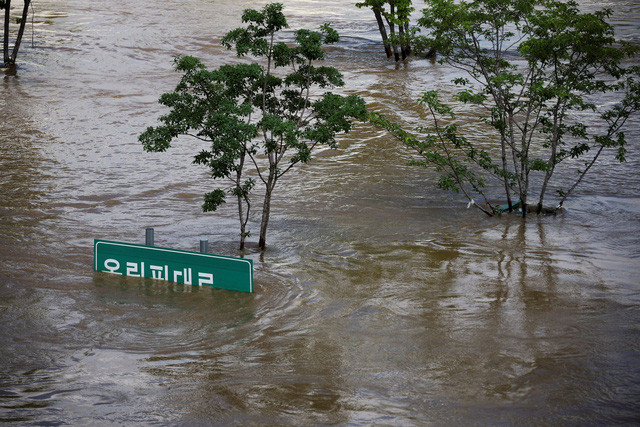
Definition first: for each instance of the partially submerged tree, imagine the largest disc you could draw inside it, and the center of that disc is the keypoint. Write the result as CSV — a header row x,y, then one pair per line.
x,y
214,107
10,59
253,117
535,70
394,14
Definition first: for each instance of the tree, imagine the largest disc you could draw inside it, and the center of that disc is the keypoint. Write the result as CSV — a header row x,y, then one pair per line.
x,y
252,117
534,70
393,13
214,107
6,5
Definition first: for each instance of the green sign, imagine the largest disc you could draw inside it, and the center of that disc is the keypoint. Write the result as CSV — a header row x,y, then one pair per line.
x,y
189,268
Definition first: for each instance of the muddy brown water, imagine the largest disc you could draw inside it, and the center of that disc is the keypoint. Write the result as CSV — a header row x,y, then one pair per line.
x,y
380,299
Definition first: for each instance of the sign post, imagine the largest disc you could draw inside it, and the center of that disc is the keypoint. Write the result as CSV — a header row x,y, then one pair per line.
x,y
173,265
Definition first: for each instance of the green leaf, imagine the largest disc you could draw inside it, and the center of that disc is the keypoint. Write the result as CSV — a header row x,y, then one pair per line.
x,y
213,200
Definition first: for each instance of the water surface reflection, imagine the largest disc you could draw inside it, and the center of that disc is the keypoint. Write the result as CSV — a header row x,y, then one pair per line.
x,y
384,301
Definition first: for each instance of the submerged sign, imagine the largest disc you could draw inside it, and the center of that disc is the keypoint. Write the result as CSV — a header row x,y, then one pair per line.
x,y
189,268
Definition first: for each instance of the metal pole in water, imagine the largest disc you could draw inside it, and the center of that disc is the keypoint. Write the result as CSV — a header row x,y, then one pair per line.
x,y
149,237
204,246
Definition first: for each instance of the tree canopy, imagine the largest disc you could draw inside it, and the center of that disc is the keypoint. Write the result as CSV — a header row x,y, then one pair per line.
x,y
261,119
533,70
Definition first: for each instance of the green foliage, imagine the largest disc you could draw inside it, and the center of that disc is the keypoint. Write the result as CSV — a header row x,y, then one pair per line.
x,y
250,116
213,200
401,9
534,70
213,106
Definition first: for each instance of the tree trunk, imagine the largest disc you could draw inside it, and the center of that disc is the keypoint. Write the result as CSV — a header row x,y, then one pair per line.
x,y
25,14
508,192
242,236
240,198
392,30
242,223
408,45
545,183
507,189
521,161
7,17
403,29
243,220
524,193
266,208
403,45
383,32
552,160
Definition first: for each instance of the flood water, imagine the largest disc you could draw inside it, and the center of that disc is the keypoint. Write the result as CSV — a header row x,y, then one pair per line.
x,y
380,298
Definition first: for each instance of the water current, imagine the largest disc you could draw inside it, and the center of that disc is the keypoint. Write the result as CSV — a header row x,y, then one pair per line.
x,y
379,300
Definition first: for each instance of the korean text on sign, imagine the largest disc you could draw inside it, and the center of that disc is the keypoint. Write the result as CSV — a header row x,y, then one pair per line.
x,y
159,272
